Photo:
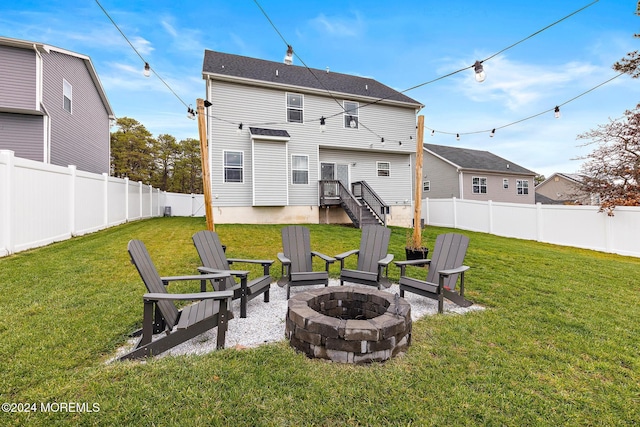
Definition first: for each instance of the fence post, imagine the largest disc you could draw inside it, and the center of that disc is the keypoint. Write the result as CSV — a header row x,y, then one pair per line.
x,y
6,238
126,199
105,198
455,212
72,200
490,207
539,233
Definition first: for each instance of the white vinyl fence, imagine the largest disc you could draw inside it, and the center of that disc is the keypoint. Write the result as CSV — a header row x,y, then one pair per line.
x,y
41,203
577,226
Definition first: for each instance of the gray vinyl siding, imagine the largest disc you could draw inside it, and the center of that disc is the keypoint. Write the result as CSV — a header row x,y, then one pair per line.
x,y
267,108
443,177
269,173
81,137
495,190
394,189
23,134
18,78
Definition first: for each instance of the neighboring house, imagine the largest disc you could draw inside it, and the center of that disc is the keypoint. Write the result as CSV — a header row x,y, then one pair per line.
x,y
53,108
474,175
286,142
563,189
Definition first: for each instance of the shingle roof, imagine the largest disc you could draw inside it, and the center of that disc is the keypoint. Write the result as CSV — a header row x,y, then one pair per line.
x,y
278,73
269,132
476,159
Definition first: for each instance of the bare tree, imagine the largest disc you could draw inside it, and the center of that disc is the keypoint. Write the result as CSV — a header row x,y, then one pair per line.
x,y
612,170
630,64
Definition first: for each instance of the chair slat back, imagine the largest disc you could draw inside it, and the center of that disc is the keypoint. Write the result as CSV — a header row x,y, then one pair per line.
x,y
296,245
448,252
373,247
141,259
212,254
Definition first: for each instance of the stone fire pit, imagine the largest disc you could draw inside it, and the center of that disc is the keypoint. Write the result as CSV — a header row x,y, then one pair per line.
x,y
349,324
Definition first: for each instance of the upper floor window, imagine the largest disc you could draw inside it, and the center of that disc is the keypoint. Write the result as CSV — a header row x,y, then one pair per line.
x,y
505,183
295,103
522,186
351,114
233,166
67,91
479,185
383,168
299,169
426,186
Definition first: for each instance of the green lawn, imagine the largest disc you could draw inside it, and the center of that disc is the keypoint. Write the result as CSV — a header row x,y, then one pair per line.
x,y
559,342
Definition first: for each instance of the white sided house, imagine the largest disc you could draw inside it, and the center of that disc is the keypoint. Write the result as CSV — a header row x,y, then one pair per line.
x,y
53,108
288,144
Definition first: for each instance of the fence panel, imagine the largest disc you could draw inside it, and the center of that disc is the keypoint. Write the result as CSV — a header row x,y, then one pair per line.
x,y
90,203
516,220
116,201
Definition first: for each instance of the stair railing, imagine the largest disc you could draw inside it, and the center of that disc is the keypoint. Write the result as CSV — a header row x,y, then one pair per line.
x,y
379,208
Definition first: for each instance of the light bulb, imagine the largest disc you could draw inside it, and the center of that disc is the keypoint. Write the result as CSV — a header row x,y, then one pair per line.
x,y
433,132
458,136
147,70
556,112
288,59
239,130
480,76
493,133
323,126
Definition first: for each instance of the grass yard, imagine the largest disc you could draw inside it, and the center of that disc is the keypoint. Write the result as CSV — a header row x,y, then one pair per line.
x,y
559,342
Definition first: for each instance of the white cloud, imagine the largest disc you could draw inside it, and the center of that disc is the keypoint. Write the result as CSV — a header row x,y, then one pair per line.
x,y
142,45
339,26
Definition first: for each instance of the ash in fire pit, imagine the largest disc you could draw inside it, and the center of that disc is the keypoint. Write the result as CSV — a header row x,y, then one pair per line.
x,y
349,324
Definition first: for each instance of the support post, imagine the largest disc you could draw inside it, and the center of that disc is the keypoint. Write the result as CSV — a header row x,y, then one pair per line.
x,y
417,203
204,153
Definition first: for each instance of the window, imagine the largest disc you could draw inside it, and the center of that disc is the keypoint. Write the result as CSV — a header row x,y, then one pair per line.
x,y
233,166
426,186
294,107
383,168
505,183
479,185
522,186
299,169
67,90
350,114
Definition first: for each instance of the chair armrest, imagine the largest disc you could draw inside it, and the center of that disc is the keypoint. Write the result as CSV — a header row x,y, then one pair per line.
x,y
219,295
251,261
213,275
413,262
237,273
324,257
451,271
346,254
283,259
386,260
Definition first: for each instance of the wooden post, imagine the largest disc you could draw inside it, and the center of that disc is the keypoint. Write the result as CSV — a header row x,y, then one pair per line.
x,y
417,208
204,154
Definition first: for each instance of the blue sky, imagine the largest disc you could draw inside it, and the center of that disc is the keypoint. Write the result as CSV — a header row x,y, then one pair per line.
x,y
402,44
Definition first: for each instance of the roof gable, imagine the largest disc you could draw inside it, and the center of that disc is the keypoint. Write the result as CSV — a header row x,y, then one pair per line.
x,y
465,158
228,66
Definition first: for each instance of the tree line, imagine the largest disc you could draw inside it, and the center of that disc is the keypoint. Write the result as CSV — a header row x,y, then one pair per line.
x,y
163,162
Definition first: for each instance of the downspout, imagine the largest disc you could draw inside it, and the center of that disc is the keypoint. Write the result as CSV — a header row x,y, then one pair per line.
x,y
46,126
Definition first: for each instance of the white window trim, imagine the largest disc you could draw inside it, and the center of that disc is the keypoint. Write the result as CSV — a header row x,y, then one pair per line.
x,y
67,93
348,114
301,108
224,167
519,187
388,169
486,186
293,169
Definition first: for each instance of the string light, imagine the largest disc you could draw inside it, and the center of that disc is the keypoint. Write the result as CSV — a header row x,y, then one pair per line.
x,y
288,59
493,133
323,126
239,131
433,132
191,114
556,112
458,136
147,70
480,75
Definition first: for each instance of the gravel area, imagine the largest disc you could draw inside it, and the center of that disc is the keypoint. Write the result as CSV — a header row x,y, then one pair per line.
x,y
265,321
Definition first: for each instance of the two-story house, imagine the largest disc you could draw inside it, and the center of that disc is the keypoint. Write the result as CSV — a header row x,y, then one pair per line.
x,y
564,189
474,175
53,108
288,144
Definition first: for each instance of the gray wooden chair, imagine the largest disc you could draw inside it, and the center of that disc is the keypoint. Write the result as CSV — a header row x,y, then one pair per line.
x,y
373,259
161,315
297,260
214,260
445,266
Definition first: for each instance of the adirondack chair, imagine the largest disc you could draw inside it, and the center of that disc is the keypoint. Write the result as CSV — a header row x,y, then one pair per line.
x,y
373,259
445,266
297,260
214,260
160,313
